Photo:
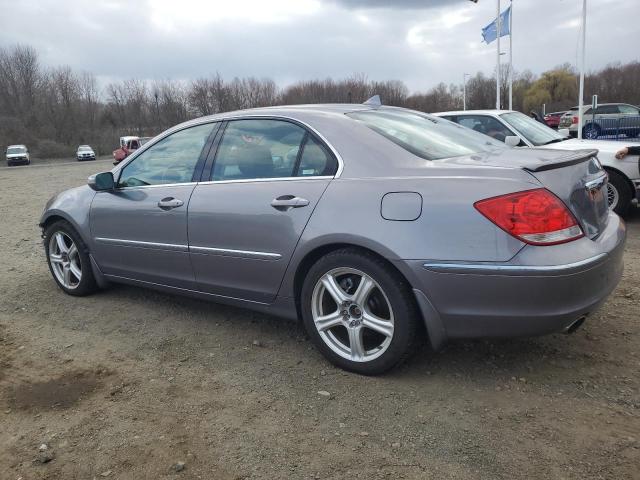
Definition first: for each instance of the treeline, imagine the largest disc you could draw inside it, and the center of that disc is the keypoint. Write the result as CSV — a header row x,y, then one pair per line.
x,y
54,109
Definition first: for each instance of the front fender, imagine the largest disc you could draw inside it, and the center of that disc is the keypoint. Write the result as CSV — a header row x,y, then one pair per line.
x,y
74,206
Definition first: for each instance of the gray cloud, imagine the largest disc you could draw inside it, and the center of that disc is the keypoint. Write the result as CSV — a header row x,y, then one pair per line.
x,y
398,4
162,39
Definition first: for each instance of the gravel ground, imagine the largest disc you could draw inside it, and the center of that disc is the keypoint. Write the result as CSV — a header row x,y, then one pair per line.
x,y
134,384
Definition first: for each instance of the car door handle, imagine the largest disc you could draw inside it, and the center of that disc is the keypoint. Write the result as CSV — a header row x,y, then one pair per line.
x,y
169,202
286,202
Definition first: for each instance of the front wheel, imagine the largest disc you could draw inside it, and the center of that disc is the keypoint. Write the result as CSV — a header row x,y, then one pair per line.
x,y
618,194
359,312
68,259
591,131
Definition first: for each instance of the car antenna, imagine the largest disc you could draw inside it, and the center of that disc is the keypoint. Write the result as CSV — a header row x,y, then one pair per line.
x,y
374,101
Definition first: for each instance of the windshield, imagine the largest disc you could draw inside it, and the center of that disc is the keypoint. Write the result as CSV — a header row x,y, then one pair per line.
x,y
428,137
84,148
534,131
14,150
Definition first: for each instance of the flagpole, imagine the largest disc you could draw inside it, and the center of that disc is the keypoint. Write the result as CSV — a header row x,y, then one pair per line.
x,y
498,56
511,56
584,40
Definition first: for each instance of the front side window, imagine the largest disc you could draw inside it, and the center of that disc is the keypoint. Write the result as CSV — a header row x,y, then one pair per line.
x,y
252,149
487,125
628,110
535,132
428,137
172,160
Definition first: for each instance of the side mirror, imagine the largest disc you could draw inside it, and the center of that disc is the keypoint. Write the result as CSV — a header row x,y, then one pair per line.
x,y
512,140
563,132
102,182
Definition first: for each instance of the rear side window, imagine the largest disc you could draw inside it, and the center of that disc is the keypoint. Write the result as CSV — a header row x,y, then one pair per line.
x,y
257,148
315,160
428,137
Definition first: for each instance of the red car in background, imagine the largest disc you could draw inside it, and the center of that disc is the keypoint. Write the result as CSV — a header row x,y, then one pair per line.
x,y
128,145
553,119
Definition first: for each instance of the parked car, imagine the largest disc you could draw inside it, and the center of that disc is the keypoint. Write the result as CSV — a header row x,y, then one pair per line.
x,y
371,224
610,118
128,145
623,188
85,152
17,155
553,119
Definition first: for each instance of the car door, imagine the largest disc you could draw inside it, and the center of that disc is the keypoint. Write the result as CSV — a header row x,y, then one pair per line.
x,y
139,230
629,120
245,222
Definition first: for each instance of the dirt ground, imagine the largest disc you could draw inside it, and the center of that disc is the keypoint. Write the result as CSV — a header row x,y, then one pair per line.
x,y
128,382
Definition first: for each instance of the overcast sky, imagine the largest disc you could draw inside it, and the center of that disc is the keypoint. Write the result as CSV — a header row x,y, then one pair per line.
x,y
421,42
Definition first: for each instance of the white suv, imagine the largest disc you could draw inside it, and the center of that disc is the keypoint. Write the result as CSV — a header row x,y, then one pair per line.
x,y
610,119
17,155
516,129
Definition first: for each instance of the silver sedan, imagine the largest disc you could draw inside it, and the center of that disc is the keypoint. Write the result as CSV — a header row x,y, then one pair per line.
x,y
373,225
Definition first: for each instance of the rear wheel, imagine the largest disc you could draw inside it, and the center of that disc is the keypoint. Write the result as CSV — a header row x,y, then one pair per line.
x,y
68,259
359,312
618,193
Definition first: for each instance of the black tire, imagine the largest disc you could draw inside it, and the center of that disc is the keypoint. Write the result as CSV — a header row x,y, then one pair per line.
x,y
621,185
591,131
87,283
398,293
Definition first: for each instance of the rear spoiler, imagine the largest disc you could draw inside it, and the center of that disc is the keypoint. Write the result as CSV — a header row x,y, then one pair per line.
x,y
572,157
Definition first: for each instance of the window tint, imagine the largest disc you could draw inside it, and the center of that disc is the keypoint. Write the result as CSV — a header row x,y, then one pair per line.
x,y
315,160
171,160
257,149
607,110
426,136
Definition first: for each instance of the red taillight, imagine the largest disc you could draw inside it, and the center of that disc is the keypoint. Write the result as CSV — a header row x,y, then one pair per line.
x,y
536,217
574,120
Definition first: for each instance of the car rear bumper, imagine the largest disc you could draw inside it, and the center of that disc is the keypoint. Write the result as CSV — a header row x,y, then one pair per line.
x,y
533,294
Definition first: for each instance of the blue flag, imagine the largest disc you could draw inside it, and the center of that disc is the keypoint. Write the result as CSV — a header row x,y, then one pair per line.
x,y
489,32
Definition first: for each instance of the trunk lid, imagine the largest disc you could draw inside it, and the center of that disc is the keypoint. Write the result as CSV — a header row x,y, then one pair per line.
x,y
574,176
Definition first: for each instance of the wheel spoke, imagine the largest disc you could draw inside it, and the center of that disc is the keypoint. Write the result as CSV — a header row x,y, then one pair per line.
x,y
62,247
73,250
66,274
54,258
331,286
356,344
329,321
363,291
377,324
75,270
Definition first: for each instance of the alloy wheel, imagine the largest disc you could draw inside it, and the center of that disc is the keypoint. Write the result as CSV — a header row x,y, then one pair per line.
x,y
65,260
352,314
613,197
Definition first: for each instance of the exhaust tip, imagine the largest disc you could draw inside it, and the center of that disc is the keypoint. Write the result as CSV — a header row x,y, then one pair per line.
x,y
575,325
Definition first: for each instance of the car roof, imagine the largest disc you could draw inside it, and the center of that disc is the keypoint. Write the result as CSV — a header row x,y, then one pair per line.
x,y
17,146
473,112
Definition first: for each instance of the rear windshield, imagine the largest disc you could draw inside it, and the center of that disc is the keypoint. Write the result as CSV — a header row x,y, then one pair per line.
x,y
428,137
14,150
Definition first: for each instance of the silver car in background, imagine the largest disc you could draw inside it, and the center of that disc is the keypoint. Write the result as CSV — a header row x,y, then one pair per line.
x,y
374,225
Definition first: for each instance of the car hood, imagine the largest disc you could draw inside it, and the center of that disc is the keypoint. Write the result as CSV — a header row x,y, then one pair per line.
x,y
602,145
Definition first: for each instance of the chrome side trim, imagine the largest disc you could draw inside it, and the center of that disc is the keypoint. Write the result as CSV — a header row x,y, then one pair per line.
x,y
275,179
227,252
135,243
498,269
186,184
